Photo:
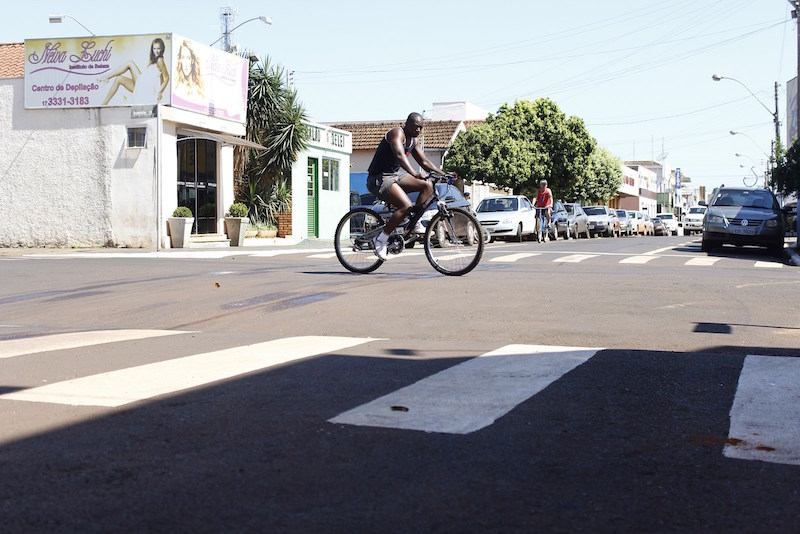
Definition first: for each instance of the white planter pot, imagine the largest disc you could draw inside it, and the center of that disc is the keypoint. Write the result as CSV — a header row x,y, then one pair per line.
x,y
236,228
180,228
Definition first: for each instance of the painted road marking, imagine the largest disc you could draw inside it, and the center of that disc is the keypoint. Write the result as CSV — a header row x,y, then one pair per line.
x,y
702,262
324,256
71,340
574,258
640,260
765,416
658,251
117,388
471,395
510,258
768,265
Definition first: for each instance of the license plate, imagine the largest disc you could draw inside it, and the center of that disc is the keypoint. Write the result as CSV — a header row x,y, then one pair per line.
x,y
742,230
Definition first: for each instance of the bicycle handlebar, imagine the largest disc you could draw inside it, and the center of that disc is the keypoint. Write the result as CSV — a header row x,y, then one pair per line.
x,y
449,178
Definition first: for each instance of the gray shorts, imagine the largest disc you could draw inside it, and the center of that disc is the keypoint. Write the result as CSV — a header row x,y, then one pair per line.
x,y
380,184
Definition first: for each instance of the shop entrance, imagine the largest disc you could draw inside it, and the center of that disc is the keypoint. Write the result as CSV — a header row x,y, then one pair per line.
x,y
197,182
313,197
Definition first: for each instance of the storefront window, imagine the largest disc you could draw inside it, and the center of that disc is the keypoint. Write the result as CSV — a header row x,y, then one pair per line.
x,y
330,174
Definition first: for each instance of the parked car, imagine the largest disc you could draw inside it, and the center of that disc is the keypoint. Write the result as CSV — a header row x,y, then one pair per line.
x,y
644,226
601,221
744,216
670,222
658,226
616,223
510,217
560,217
693,220
578,220
627,224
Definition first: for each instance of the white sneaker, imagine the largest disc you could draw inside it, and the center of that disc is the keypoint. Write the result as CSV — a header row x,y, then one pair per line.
x,y
419,229
380,249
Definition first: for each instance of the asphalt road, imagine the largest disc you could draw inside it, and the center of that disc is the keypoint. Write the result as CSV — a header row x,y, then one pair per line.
x,y
591,385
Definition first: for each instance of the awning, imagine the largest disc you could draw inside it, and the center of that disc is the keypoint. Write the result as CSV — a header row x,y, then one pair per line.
x,y
225,139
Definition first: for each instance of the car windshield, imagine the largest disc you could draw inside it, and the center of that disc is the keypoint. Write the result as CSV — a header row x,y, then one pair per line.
x,y
498,204
746,199
698,209
622,213
594,211
665,216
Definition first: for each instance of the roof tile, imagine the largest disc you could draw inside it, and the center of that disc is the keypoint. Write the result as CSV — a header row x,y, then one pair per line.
x,y
436,135
12,60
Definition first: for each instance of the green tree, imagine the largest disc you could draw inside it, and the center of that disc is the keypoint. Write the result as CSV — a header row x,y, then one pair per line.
x,y
786,175
603,179
523,144
275,120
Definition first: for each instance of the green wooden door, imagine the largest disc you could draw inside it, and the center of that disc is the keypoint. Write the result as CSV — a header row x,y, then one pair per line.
x,y
313,197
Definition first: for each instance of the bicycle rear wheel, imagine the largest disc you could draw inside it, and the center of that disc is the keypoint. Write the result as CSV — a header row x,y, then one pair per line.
x,y
353,240
450,245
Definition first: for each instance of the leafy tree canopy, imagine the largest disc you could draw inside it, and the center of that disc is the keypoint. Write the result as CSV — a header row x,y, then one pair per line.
x,y
603,179
523,144
786,177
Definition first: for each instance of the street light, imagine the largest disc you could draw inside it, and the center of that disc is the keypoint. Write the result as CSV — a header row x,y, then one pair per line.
x,y
775,118
226,34
58,19
754,142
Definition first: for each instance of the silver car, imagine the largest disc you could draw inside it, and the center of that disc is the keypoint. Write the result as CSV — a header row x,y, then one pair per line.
x,y
744,216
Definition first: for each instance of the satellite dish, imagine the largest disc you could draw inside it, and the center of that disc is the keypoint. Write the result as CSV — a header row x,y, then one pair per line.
x,y
662,156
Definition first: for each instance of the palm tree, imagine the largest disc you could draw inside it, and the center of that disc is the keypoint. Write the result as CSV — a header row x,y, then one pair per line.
x,y
275,120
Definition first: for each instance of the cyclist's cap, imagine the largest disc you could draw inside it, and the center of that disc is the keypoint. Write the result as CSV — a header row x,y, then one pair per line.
x,y
543,182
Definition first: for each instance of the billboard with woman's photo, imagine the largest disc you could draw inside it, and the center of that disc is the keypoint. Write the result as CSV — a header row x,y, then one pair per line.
x,y
208,80
135,70
83,72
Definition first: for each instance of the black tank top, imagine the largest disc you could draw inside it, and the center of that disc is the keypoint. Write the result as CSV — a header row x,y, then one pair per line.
x,y
384,160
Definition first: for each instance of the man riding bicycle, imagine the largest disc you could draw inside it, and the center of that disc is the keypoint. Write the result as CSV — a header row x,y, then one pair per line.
x,y
544,200
391,176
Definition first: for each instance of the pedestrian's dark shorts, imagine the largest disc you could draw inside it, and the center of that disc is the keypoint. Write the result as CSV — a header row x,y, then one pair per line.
x,y
380,184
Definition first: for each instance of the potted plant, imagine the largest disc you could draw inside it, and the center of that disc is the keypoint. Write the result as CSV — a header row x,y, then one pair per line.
x,y
266,229
180,227
236,223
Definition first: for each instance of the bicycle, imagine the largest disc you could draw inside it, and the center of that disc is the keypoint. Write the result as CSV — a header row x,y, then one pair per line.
x,y
542,226
453,239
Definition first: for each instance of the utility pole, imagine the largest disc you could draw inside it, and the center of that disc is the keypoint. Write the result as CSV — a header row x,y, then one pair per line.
x,y
795,11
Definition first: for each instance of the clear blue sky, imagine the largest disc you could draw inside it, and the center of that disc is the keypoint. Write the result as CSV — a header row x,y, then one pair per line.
x,y
639,73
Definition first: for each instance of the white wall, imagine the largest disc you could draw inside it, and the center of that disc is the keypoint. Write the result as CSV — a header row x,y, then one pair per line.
x,y
55,186
332,204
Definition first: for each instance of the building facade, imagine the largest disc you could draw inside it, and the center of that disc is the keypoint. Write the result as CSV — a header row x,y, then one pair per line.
x,y
105,136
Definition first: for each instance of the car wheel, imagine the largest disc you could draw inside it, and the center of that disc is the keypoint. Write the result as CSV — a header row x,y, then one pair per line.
x,y
706,245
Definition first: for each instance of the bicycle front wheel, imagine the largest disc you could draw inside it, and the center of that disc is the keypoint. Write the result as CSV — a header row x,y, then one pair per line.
x,y
354,240
450,243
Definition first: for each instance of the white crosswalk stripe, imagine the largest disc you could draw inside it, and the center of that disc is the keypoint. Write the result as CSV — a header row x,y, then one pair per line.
x,y
17,347
765,417
471,395
574,258
124,386
702,262
768,265
640,260
511,258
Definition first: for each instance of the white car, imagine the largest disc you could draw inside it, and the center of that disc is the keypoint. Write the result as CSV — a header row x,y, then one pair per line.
x,y
670,223
693,221
511,216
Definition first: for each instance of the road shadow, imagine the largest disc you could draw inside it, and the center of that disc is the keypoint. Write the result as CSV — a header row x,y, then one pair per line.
x,y
629,440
